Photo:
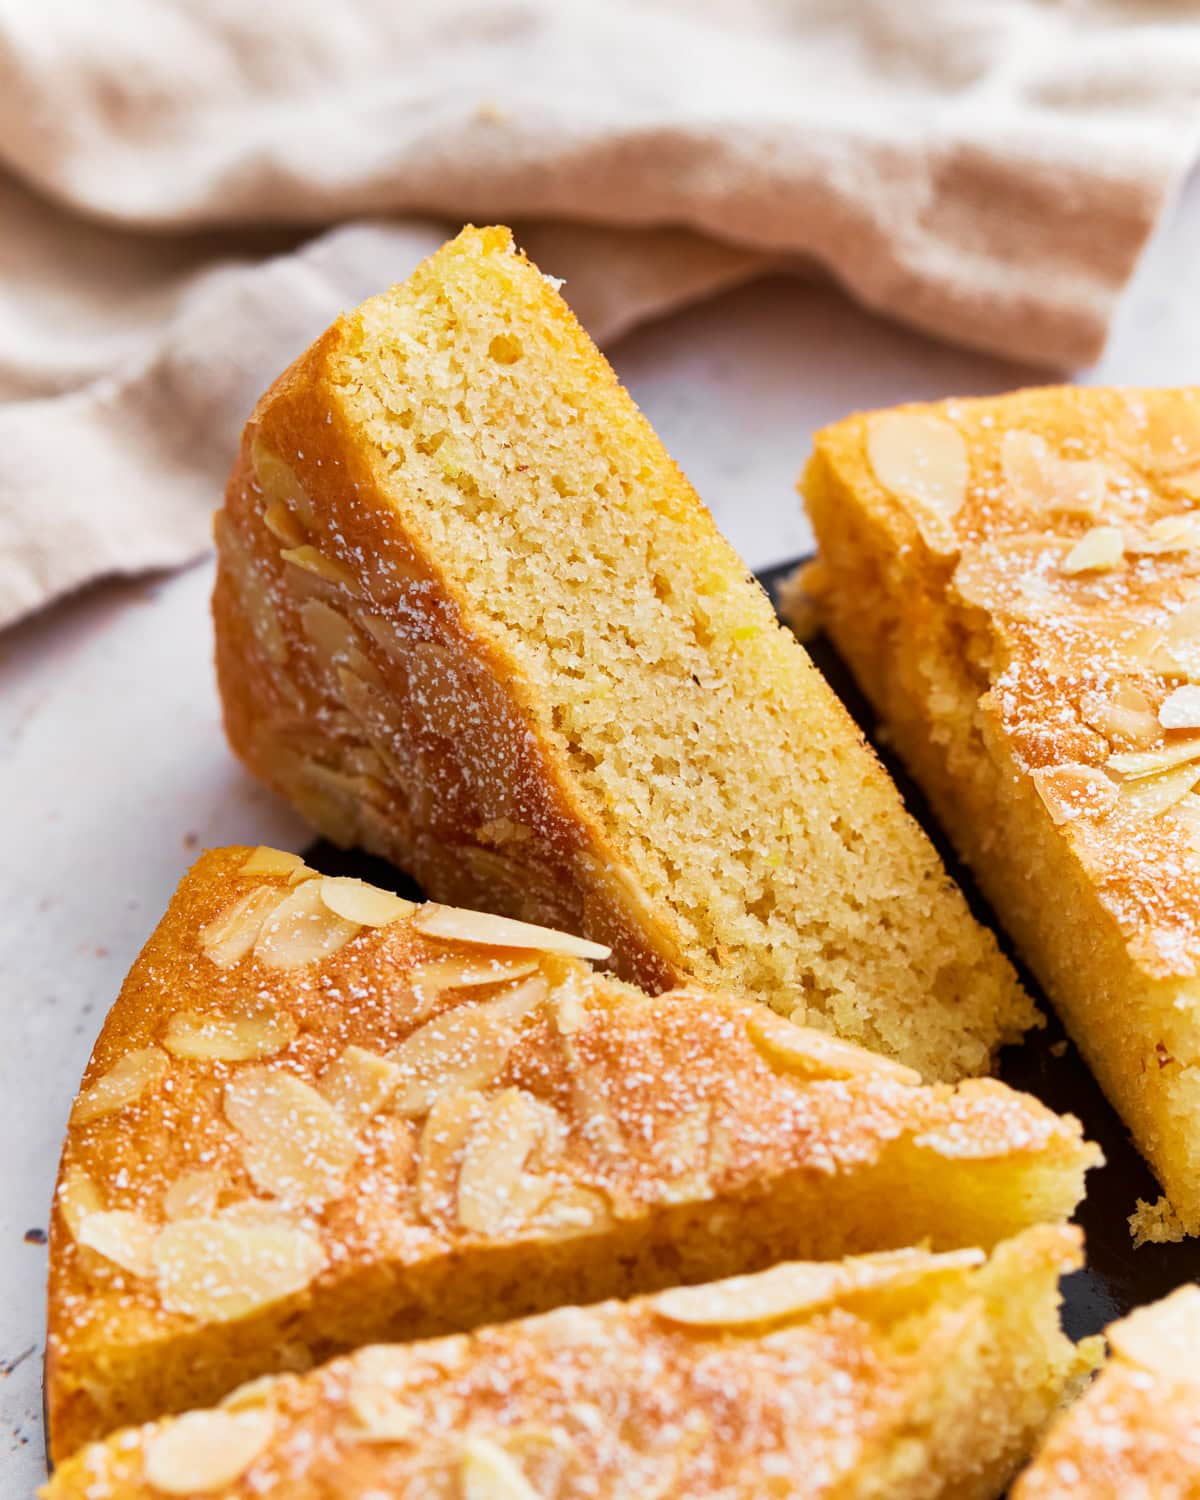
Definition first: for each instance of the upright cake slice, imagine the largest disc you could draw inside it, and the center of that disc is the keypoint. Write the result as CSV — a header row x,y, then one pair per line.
x,y
472,617
910,1376
1136,1434
1016,584
319,1116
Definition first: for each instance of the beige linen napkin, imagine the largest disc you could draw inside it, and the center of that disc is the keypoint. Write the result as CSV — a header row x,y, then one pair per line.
x,y
195,190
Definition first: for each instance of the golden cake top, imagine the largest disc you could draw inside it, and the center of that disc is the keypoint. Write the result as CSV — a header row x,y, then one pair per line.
x,y
1137,1431
306,1075
731,1388
1066,525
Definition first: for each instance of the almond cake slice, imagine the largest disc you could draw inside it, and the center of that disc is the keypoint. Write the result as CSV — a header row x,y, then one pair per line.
x,y
906,1375
1016,584
471,617
320,1116
1135,1435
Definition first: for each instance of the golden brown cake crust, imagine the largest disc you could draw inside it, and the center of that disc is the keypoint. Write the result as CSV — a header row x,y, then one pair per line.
x,y
319,1116
1016,583
362,677
908,1376
1137,1431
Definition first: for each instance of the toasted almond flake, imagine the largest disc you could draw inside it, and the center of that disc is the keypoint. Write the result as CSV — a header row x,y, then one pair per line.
x,y
253,1395
466,1047
359,1084
1150,795
816,1054
1168,534
298,877
799,1288
334,637
1181,639
267,861
278,482
218,1270
78,1196
451,1119
496,1195
569,1005
682,1157
1073,790
1181,709
1152,762
229,937
453,924
367,905
920,457
294,1143
1148,650
283,525
205,1450
574,1209
261,1213
194,1195
1126,717
381,1416
124,1083
121,1236
302,930
441,975
1066,486
236,1038
487,1472
1163,1338
314,561
1097,551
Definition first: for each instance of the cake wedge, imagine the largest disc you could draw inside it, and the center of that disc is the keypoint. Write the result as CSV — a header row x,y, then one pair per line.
x,y
320,1116
471,617
909,1375
1015,583
1136,1432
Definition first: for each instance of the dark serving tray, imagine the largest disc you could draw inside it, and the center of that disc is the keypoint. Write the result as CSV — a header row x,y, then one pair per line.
x,y
1117,1277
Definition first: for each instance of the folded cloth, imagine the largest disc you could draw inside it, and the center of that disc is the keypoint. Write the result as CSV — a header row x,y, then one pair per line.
x,y
195,191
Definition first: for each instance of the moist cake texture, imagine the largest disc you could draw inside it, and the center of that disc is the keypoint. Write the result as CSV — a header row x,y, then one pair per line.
x,y
1016,584
471,617
910,1376
1136,1433
320,1116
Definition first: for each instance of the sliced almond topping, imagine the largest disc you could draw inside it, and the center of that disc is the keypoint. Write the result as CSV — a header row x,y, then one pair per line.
x,y
238,1038
1163,1338
381,1415
1181,709
359,1084
1126,717
1074,790
574,1209
1148,649
569,1005
1152,762
682,1157
302,930
268,861
816,1054
124,1083
466,1047
217,1270
194,1195
205,1450
260,1213
299,876
253,1395
480,929
313,561
78,1196
487,1472
1067,486
920,457
1181,639
496,1195
278,482
1097,551
282,525
334,637
295,1145
444,974
1150,795
367,905
121,1236
451,1119
229,937
799,1288
1169,534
